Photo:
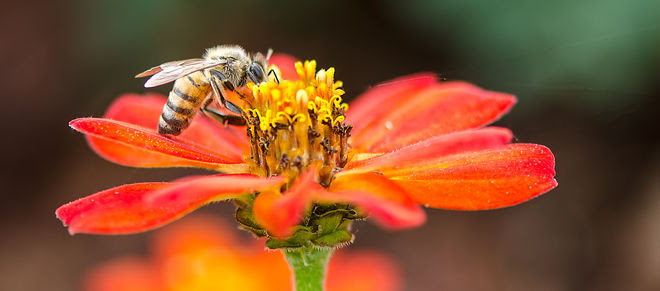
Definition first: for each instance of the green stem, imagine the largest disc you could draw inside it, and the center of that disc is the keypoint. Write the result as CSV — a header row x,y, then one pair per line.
x,y
309,266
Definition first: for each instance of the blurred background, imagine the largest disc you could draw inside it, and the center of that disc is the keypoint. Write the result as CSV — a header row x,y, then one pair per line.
x,y
585,73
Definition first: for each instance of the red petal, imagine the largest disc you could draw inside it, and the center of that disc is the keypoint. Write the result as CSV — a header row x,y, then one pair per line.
x,y
437,109
435,147
205,188
385,201
129,208
480,180
144,111
278,222
285,63
382,199
383,98
116,210
278,213
132,145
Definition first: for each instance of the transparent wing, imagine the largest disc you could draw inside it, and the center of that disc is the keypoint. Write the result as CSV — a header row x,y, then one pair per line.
x,y
165,66
171,71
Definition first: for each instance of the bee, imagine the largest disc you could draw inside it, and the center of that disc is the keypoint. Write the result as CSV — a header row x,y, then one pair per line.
x,y
197,81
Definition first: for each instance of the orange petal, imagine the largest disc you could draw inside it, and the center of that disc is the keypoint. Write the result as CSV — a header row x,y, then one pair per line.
x,y
479,180
124,274
204,254
197,231
378,101
363,271
435,147
137,146
285,63
437,109
384,201
278,213
129,209
201,253
145,111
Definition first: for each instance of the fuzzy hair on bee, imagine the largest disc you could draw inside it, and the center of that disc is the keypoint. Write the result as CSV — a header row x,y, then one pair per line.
x,y
198,82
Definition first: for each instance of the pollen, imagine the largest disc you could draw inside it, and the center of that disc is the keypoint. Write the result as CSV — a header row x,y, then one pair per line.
x,y
295,124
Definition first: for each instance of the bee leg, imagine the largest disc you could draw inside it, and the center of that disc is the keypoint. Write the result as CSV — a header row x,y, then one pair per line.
x,y
226,84
252,77
224,118
220,117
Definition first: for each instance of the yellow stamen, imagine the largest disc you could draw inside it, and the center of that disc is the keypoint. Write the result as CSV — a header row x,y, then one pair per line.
x,y
296,124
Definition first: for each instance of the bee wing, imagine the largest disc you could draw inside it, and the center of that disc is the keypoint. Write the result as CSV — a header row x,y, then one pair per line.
x,y
171,71
159,68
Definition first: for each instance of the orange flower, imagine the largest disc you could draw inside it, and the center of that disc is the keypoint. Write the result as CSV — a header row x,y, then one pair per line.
x,y
204,254
306,165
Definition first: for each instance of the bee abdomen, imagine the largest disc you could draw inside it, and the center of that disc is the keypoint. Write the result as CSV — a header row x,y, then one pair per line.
x,y
182,105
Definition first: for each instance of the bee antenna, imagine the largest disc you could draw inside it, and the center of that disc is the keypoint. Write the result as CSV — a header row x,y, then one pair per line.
x,y
268,54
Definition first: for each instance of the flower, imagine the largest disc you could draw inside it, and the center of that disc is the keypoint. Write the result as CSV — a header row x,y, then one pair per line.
x,y
306,165
202,253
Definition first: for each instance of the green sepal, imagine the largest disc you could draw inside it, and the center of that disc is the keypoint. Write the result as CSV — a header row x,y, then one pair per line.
x,y
245,201
301,236
328,223
334,239
345,224
348,212
247,222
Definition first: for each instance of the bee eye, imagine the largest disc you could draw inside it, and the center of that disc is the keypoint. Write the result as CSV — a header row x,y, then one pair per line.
x,y
257,73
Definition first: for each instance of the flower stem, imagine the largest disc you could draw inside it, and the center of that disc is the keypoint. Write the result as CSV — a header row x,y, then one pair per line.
x,y
309,266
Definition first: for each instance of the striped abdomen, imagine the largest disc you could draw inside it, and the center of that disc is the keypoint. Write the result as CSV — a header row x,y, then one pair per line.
x,y
182,105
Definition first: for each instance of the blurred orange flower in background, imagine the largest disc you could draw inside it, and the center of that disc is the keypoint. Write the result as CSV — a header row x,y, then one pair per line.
x,y
203,253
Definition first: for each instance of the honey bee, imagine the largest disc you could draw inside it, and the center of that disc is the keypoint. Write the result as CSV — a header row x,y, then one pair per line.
x,y
197,81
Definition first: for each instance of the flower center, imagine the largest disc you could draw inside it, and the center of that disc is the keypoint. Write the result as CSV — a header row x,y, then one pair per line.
x,y
293,125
